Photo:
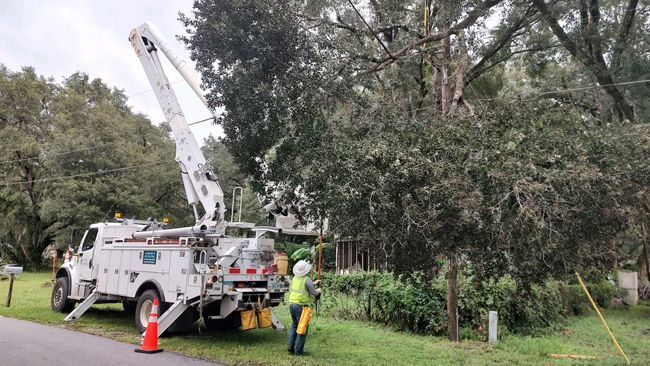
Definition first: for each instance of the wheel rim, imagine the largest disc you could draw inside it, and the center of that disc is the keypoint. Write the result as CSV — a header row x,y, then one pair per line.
x,y
145,311
58,295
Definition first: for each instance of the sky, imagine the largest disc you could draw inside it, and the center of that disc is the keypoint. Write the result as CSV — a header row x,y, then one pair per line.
x,y
61,37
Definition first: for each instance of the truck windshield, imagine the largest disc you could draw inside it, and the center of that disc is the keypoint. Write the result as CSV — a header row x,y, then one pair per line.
x,y
89,240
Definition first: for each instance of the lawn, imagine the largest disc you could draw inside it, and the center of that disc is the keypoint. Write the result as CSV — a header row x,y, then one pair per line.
x,y
334,342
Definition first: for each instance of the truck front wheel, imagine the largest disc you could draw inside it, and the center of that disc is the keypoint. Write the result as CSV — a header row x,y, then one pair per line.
x,y
59,301
144,306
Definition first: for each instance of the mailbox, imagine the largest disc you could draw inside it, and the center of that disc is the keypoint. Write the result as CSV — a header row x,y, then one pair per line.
x,y
11,269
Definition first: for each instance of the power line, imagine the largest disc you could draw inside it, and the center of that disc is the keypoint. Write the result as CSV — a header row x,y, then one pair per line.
x,y
89,148
57,154
573,89
98,172
150,90
512,100
201,121
371,31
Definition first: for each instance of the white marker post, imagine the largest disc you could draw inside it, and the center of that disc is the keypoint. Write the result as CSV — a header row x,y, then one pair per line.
x,y
492,327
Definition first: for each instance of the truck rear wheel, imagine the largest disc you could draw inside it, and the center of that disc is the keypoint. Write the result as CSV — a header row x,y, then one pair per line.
x,y
144,306
59,301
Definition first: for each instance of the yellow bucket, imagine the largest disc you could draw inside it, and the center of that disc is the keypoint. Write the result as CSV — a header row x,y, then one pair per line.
x,y
281,260
248,320
305,318
264,318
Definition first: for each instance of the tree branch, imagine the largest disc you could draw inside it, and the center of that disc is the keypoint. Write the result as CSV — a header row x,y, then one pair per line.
x,y
470,19
505,39
623,34
471,76
596,67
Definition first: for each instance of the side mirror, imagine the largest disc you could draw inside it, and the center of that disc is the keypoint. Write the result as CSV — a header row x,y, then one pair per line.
x,y
75,238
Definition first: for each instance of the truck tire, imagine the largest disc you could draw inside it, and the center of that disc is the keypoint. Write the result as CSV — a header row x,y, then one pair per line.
x,y
144,306
59,301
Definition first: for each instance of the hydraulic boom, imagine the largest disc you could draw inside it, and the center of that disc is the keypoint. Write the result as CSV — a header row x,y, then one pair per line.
x,y
201,184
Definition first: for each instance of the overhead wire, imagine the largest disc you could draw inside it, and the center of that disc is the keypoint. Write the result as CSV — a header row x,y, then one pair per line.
x,y
577,89
151,90
551,92
371,30
90,148
97,172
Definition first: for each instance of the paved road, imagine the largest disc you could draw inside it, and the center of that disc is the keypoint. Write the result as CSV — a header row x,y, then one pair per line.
x,y
24,343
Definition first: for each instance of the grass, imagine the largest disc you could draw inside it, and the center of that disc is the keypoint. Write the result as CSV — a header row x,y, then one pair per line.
x,y
334,342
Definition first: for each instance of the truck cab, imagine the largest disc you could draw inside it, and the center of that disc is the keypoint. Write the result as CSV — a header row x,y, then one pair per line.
x,y
77,277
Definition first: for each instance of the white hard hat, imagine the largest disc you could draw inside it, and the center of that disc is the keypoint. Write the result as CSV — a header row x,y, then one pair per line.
x,y
301,268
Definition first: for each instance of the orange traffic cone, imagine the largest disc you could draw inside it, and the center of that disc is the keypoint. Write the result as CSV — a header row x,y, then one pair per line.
x,y
150,342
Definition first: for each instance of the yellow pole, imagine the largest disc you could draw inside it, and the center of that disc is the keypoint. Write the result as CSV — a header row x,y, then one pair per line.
x,y
602,319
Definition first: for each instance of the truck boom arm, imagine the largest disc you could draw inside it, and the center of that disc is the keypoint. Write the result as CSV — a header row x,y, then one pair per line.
x,y
201,184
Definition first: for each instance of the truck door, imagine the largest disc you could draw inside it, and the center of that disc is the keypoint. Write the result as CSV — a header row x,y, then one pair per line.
x,y
86,254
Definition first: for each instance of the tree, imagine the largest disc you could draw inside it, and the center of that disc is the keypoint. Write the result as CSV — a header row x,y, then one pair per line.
x,y
74,153
25,100
360,121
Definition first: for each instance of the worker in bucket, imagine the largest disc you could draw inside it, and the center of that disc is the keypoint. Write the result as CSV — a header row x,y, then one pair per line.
x,y
301,291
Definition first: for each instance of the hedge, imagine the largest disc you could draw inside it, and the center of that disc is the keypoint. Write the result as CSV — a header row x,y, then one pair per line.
x,y
419,306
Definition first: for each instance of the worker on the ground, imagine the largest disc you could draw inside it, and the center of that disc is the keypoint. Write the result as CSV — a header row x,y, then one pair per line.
x,y
302,287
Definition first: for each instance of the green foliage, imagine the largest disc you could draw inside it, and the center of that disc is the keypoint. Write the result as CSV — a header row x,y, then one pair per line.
x,y
302,254
308,250
413,304
71,155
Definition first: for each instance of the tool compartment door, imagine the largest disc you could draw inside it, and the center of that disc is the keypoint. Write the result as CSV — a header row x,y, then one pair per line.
x,y
103,274
113,271
125,264
178,267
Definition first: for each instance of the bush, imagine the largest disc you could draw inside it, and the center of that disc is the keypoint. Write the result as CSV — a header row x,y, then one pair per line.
x,y
576,303
412,304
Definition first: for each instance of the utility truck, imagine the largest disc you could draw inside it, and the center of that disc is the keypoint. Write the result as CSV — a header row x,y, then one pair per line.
x,y
194,272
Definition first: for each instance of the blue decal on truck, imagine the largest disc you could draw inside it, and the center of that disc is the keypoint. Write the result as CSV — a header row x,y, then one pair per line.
x,y
149,257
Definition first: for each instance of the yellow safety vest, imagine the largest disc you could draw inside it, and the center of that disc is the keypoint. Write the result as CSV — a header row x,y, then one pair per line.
x,y
299,294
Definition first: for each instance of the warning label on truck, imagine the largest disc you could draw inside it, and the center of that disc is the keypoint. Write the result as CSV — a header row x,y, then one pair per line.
x,y
149,257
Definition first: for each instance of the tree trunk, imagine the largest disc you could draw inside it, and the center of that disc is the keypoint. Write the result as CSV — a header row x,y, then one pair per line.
x,y
452,298
460,76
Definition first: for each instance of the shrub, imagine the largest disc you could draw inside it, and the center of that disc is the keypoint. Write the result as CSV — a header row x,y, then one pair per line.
x,y
415,305
576,303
